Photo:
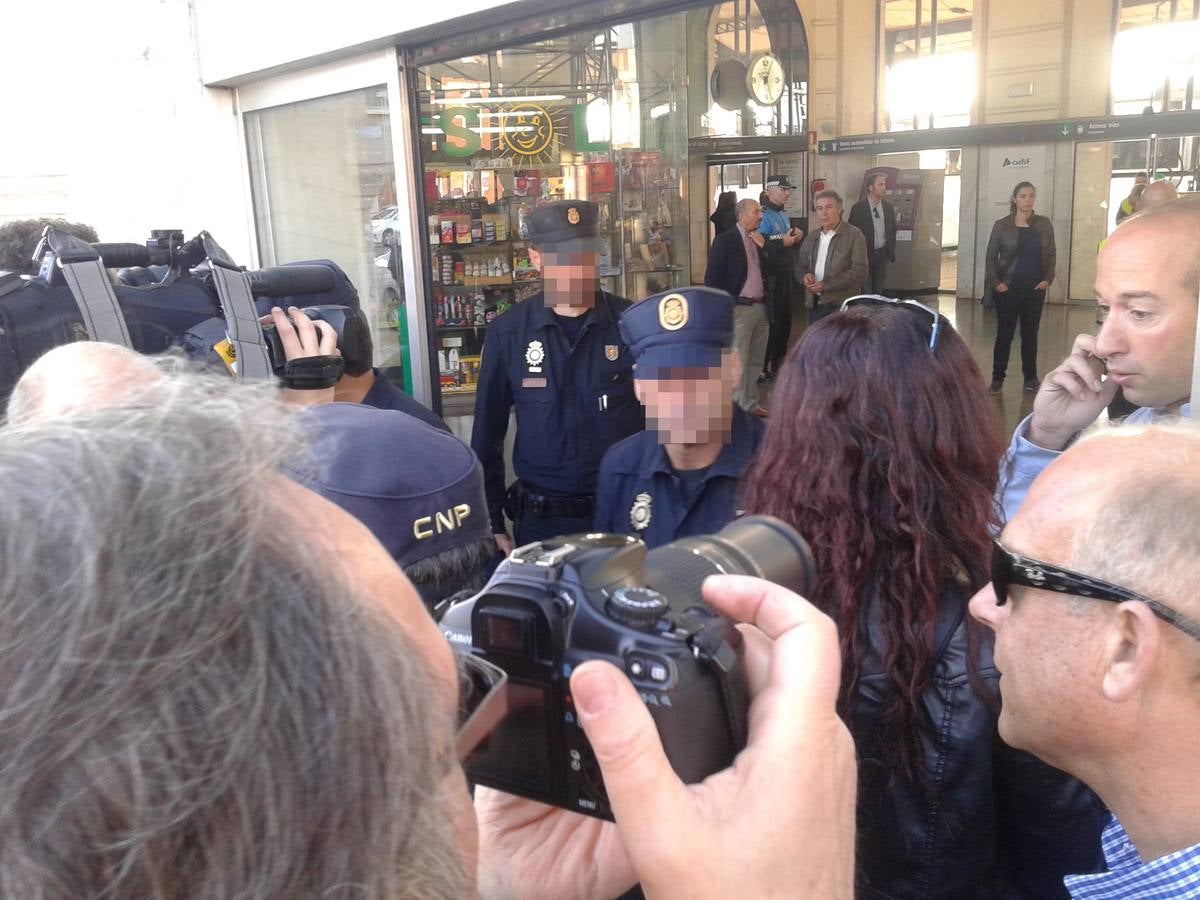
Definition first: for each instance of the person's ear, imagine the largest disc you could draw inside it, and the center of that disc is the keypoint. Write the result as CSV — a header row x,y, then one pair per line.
x,y
1132,645
535,259
639,389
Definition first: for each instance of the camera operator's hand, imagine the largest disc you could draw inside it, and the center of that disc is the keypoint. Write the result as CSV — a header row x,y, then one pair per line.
x,y
1071,397
503,542
302,337
779,823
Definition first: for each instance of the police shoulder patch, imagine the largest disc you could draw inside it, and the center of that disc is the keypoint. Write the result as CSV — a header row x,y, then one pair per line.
x,y
611,352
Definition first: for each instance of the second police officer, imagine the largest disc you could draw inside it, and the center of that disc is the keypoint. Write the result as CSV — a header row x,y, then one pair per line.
x,y
559,361
679,477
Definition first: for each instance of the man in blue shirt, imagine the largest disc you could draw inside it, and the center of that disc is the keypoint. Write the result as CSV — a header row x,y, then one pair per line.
x,y
559,360
1095,611
680,476
1147,281
779,261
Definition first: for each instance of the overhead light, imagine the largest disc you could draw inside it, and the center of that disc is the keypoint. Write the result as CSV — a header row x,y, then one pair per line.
x,y
598,120
462,101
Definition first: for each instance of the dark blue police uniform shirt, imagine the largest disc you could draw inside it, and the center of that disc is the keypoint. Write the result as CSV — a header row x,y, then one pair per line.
x,y
639,466
385,395
572,402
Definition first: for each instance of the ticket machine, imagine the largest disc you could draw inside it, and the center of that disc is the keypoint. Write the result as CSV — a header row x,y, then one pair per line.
x,y
916,195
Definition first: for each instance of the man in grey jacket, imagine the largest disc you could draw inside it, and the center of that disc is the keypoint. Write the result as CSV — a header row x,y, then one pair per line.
x,y
833,259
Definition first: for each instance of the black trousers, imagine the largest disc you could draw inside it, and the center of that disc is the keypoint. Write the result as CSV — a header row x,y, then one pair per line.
x,y
878,263
1015,307
779,314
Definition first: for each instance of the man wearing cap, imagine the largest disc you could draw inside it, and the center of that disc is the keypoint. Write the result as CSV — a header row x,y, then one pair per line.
x,y
679,477
432,517
876,219
779,261
559,360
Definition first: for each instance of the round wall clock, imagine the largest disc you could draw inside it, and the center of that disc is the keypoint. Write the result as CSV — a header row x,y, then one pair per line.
x,y
765,79
728,84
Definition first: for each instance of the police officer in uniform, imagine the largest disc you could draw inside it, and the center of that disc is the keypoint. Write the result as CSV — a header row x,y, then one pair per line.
x,y
559,360
679,477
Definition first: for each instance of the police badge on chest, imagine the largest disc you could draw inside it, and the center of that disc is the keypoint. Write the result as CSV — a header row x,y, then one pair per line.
x,y
535,358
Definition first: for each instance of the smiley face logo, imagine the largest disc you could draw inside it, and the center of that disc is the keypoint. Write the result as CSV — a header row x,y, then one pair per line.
x,y
673,312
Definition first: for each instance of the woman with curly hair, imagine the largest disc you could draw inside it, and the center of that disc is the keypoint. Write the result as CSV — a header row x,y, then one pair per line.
x,y
883,453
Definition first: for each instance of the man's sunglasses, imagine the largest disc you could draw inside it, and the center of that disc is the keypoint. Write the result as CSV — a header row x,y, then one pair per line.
x,y
1010,569
482,701
919,308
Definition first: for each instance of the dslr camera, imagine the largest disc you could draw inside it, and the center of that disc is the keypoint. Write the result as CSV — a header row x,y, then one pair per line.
x,y
556,604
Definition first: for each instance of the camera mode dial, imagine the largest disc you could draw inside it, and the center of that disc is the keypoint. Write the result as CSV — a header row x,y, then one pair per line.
x,y
637,607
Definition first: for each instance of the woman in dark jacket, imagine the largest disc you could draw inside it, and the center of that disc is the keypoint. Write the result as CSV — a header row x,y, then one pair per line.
x,y
883,454
1020,266
724,216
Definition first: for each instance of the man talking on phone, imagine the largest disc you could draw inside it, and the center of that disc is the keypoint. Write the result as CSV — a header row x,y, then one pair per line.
x,y
1147,281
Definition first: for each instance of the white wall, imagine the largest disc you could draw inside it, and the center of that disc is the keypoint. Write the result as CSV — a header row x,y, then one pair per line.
x,y
243,37
108,123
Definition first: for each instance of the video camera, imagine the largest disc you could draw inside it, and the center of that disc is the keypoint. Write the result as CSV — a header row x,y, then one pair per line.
x,y
556,604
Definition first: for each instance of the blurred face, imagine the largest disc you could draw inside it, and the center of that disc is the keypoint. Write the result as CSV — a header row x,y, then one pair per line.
x,y
751,218
778,195
568,279
689,406
1149,313
878,187
829,214
1025,198
370,570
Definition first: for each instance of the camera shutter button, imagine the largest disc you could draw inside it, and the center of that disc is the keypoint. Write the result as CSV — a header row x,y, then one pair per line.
x,y
637,607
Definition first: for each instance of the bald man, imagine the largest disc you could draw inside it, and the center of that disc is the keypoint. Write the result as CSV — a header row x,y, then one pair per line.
x,y
79,377
1095,611
1147,280
1158,193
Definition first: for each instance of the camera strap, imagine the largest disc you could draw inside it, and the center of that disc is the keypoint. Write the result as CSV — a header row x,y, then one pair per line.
x,y
83,271
241,316
313,373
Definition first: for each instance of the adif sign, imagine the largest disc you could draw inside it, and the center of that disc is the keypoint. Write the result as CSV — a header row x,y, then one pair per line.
x,y
1008,167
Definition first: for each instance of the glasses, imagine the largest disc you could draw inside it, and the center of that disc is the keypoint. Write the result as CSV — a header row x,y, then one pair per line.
x,y
482,701
920,308
1010,568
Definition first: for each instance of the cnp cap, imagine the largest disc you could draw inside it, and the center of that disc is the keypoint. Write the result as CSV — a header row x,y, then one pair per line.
x,y
565,226
779,181
417,488
685,328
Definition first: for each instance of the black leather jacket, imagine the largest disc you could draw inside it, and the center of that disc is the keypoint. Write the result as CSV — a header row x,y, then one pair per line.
x,y
1001,256
993,822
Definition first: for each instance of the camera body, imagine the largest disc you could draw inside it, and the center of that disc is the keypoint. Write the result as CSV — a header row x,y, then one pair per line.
x,y
556,604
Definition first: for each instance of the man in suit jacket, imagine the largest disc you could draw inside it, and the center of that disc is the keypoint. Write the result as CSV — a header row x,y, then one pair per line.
x,y
876,219
735,265
833,259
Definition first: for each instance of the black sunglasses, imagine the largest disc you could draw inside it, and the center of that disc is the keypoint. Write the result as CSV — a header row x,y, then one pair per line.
x,y
1010,568
878,300
482,701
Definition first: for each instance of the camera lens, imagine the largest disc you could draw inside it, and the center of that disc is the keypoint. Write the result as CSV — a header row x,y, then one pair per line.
x,y
755,545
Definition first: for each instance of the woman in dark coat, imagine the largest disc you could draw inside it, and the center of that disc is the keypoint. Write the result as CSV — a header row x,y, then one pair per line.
x,y
724,217
882,453
1020,267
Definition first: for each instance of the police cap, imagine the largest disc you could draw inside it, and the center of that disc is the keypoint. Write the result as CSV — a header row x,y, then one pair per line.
x,y
418,489
565,226
684,328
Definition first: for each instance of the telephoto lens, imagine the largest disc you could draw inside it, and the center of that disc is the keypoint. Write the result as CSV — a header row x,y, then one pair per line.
x,y
762,546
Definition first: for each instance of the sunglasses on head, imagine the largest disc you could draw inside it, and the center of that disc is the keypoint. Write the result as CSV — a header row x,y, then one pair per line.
x,y
482,701
1010,569
919,308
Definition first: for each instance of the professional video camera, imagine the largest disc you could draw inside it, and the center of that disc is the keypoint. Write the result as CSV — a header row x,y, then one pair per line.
x,y
556,604
167,292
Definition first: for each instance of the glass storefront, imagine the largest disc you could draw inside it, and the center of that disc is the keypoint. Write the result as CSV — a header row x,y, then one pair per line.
x,y
323,183
599,116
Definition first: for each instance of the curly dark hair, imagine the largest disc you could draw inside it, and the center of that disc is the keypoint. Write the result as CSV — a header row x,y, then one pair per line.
x,y
19,239
885,457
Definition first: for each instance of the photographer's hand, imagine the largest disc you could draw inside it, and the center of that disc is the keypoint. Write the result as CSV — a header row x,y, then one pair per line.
x,y
779,823
302,337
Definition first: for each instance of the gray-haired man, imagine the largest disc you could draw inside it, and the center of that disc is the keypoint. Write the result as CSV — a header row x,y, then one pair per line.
x,y
833,259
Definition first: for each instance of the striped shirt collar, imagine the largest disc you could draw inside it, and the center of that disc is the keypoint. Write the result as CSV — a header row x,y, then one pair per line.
x,y
1128,878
